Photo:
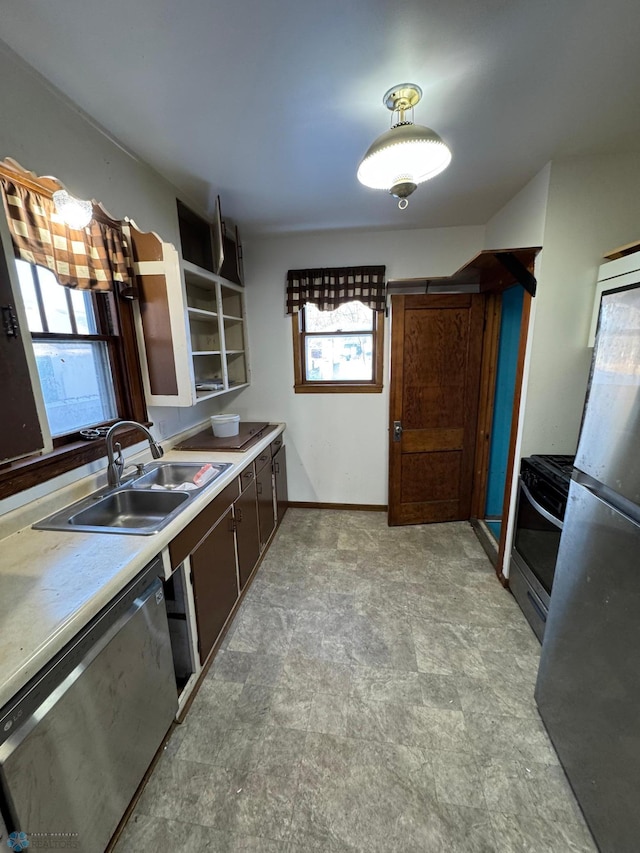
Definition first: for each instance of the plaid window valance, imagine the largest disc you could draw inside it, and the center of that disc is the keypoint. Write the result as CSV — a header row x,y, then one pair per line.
x,y
331,287
91,258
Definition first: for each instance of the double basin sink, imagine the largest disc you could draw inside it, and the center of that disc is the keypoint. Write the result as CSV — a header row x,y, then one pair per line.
x,y
142,505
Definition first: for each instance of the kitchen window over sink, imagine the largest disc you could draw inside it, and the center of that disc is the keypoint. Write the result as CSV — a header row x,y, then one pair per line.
x,y
72,344
338,328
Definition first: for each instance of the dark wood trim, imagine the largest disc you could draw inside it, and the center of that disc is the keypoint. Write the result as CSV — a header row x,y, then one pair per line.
x,y
129,358
334,388
67,336
352,507
396,373
511,459
26,473
301,386
296,334
490,344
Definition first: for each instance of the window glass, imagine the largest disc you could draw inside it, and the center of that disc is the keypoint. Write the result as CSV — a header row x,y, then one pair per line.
x,y
83,311
29,298
75,373
339,358
76,383
54,298
352,317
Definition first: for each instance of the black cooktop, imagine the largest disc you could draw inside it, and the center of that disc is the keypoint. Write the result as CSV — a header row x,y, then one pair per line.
x,y
557,467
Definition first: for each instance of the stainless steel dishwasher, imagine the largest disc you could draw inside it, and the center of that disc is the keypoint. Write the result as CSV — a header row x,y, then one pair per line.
x,y
76,741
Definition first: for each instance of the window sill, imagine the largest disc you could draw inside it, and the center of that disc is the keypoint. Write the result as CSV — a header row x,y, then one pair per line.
x,y
25,473
337,388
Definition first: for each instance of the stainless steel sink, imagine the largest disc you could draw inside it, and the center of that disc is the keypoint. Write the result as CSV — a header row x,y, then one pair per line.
x,y
173,475
129,509
143,505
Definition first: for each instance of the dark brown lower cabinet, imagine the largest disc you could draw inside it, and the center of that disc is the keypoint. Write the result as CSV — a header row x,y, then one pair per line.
x,y
280,474
215,585
247,532
266,515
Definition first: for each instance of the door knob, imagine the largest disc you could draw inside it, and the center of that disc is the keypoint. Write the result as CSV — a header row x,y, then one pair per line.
x,y
397,430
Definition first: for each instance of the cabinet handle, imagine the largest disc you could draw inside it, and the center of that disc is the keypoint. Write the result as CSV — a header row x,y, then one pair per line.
x,y
276,467
248,474
238,514
259,487
232,525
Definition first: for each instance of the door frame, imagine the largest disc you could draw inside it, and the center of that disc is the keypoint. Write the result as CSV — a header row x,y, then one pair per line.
x,y
485,422
489,360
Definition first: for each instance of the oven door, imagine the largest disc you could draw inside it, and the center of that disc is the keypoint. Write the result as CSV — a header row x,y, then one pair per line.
x,y
537,533
535,551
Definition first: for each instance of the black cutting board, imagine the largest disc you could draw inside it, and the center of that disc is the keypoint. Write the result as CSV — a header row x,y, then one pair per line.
x,y
248,433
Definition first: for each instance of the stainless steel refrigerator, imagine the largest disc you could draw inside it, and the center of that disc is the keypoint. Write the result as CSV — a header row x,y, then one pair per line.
x,y
588,689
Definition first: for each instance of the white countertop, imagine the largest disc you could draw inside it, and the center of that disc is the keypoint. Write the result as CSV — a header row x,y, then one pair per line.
x,y
52,583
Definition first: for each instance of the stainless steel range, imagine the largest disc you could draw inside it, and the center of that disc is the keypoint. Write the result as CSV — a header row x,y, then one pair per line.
x,y
542,500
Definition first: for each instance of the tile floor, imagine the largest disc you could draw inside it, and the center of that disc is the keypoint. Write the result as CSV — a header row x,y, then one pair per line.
x,y
374,693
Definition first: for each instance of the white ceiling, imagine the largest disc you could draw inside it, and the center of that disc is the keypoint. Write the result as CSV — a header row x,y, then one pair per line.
x,y
272,103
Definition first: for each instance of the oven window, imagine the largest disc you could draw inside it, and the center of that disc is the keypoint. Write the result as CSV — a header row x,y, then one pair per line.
x,y
537,541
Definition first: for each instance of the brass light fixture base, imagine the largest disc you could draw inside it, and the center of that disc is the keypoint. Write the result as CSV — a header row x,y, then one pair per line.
x,y
402,97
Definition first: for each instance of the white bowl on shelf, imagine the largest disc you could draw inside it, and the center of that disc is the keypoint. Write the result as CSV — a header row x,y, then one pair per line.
x,y
225,425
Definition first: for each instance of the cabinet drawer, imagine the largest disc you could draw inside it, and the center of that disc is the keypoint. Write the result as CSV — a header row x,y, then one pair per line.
x,y
247,476
186,541
276,444
262,460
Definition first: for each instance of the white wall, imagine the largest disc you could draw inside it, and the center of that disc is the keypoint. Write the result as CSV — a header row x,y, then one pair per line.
x,y
520,223
594,206
46,134
336,443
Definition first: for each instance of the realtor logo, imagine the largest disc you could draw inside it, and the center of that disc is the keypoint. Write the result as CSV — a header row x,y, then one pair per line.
x,y
18,841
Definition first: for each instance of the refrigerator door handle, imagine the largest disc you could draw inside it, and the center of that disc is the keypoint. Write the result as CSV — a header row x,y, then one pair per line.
x,y
543,512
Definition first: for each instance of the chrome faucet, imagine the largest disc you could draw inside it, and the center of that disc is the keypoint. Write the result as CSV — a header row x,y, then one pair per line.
x,y
115,465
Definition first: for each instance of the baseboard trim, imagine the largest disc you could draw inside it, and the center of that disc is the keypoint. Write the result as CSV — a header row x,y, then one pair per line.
x,y
353,507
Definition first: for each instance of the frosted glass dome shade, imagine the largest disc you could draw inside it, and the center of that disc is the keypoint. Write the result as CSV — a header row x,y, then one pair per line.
x,y
408,152
76,212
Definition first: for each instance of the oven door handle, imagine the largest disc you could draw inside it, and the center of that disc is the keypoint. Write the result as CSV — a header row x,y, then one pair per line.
x,y
543,512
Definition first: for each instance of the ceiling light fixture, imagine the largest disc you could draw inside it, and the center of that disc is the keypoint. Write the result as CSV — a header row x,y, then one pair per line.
x,y
406,155
75,212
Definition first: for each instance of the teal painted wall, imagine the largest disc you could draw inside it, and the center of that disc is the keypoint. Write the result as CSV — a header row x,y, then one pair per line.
x,y
503,401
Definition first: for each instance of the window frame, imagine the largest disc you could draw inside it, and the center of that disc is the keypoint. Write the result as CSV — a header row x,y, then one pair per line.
x,y
105,316
71,451
302,385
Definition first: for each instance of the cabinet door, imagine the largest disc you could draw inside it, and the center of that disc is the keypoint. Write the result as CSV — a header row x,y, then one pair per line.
x,y
266,517
280,472
21,433
247,532
215,584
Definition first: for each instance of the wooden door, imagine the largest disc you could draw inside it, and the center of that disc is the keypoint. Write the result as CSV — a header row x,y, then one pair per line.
x,y
247,533
215,583
436,352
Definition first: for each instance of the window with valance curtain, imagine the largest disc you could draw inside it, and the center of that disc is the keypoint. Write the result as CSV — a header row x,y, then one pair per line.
x,y
338,326
92,258
82,334
331,287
